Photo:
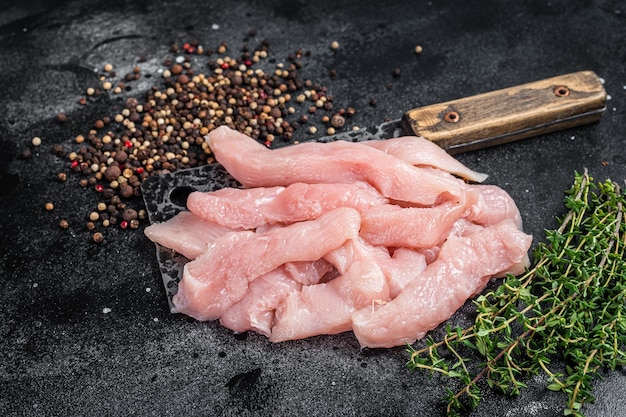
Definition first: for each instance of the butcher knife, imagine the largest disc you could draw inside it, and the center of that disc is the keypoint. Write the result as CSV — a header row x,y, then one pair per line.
x,y
461,125
500,116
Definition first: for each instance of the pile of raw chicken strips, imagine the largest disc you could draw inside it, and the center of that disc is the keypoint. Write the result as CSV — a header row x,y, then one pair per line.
x,y
383,238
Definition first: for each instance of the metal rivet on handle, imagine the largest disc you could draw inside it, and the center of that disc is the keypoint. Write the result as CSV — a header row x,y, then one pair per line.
x,y
451,117
561,91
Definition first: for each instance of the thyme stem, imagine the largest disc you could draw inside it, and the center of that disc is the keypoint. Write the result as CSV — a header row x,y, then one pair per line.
x,y
571,306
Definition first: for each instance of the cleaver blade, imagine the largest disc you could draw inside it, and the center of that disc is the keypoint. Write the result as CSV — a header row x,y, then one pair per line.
x,y
461,125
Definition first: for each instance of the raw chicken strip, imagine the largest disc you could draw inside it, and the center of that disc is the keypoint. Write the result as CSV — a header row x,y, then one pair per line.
x,y
399,268
402,268
423,227
327,308
492,205
464,227
217,279
355,250
308,273
462,269
255,311
253,165
419,151
254,207
411,227
233,207
186,234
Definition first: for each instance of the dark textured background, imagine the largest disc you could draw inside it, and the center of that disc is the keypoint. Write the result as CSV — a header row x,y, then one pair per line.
x,y
60,355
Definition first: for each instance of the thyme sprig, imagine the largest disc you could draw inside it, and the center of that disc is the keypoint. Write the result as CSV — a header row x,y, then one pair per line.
x,y
570,306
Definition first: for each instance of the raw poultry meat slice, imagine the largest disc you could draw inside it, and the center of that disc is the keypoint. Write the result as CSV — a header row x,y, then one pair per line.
x,y
254,207
327,308
354,250
218,278
398,268
253,165
423,227
186,234
411,227
233,207
255,311
462,269
464,227
492,205
419,151
309,272
402,268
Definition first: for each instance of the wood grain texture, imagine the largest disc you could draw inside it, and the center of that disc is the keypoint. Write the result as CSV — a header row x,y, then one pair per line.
x,y
512,113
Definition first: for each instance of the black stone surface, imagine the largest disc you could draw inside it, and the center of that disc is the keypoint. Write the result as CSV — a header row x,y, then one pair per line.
x,y
60,354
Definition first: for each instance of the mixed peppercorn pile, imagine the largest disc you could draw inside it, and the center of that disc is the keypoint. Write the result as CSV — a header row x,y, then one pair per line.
x,y
164,131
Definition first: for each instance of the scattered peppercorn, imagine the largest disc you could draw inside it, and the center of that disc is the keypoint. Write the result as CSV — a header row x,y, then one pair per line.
x,y
337,121
64,224
129,214
98,237
36,141
112,172
126,191
58,150
419,49
49,206
334,45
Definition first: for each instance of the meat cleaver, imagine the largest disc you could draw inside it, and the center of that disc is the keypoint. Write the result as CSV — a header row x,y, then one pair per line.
x,y
461,125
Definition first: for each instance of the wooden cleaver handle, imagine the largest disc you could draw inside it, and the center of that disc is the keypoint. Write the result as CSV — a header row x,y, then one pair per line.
x,y
510,114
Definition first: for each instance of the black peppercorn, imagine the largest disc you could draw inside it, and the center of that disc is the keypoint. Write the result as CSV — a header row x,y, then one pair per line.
x,y
129,214
98,237
126,191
